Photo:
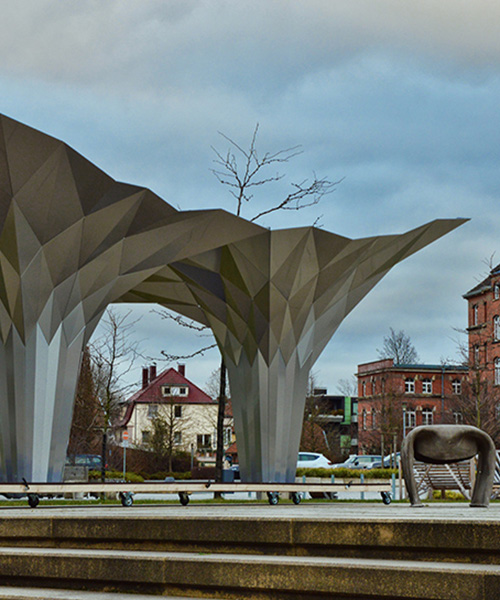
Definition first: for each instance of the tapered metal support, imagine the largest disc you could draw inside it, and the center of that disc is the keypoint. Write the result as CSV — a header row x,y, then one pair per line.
x,y
273,301
72,241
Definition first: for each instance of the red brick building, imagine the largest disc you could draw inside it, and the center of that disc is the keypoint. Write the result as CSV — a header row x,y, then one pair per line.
x,y
481,402
484,326
393,399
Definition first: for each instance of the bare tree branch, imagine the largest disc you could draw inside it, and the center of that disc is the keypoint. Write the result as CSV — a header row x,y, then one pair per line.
x,y
180,320
175,357
241,176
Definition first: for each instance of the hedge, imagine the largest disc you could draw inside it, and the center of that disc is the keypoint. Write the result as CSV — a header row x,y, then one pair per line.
x,y
348,473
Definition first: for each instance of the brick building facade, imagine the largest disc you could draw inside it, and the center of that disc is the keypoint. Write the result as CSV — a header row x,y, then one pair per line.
x,y
393,399
484,326
481,403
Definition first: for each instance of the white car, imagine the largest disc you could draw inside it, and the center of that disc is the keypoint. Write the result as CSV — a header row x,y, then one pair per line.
x,y
358,461
313,460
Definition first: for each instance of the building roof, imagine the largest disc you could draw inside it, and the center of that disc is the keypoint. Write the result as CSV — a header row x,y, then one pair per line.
x,y
388,365
151,393
483,286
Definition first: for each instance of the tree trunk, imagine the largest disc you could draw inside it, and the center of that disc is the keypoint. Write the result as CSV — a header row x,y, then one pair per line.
x,y
103,456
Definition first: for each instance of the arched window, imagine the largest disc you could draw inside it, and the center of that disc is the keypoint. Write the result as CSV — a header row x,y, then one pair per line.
x,y
496,328
364,419
427,416
497,371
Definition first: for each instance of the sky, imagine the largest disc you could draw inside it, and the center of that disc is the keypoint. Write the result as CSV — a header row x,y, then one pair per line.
x,y
398,100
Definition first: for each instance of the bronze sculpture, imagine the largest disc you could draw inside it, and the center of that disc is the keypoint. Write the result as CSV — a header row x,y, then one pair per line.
x,y
445,444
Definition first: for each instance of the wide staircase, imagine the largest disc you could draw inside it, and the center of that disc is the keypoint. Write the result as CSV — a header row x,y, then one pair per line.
x,y
258,553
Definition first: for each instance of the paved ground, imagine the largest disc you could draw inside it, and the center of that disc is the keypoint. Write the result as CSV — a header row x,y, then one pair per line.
x,y
456,511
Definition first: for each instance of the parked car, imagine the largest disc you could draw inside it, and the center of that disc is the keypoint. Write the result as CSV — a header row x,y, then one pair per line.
x,y
386,463
359,461
313,460
92,461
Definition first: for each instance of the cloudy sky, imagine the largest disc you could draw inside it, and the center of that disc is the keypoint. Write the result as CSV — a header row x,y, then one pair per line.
x,y
398,99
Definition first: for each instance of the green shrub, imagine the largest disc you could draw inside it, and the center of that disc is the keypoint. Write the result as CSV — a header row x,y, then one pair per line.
x,y
448,495
348,473
130,477
162,474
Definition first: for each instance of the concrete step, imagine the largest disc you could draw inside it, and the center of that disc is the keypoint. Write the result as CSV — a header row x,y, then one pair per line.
x,y
17,593
236,576
430,540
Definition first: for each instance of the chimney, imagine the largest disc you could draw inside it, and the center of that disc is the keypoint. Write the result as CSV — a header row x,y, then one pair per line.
x,y
181,370
145,377
152,372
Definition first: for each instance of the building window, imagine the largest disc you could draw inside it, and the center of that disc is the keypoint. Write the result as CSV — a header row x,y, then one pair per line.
x,y
496,291
177,438
497,371
427,416
204,441
458,417
475,314
426,386
409,385
496,328
410,419
146,437
497,412
228,436
374,419
174,390
152,411
364,419
456,386
363,388
178,411
476,354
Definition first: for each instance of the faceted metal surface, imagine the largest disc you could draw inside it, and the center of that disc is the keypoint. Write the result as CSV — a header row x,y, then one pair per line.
x,y
72,240
273,302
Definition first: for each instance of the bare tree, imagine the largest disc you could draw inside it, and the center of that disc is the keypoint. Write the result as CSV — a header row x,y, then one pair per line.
x,y
398,345
348,386
111,357
314,437
243,170
384,428
83,438
167,429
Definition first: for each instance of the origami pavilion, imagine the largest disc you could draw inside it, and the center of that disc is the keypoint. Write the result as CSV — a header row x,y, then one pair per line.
x,y
73,240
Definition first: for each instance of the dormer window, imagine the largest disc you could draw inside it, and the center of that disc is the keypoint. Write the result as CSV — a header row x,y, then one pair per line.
x,y
174,390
